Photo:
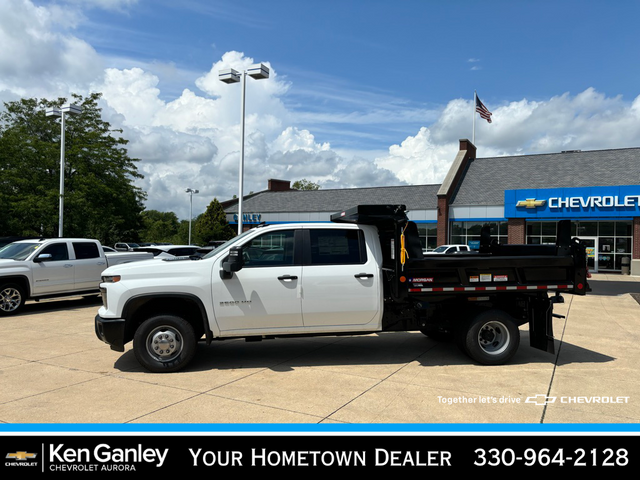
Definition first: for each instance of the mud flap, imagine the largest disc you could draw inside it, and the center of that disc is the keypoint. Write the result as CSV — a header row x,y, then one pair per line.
x,y
541,324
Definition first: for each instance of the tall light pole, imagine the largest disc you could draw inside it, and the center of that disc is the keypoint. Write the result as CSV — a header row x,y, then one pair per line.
x,y
62,112
229,75
191,192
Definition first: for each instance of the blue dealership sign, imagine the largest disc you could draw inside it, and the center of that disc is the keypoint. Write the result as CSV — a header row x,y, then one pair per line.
x,y
620,201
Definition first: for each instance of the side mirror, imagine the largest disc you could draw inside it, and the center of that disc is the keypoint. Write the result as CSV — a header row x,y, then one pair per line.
x,y
234,262
43,257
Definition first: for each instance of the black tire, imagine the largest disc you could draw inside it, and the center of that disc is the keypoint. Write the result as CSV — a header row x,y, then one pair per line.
x,y
164,343
12,299
490,338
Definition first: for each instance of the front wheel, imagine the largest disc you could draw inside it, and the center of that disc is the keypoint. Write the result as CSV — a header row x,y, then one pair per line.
x,y
12,298
491,338
164,343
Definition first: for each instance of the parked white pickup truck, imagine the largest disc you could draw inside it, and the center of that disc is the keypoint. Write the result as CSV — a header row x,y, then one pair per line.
x,y
43,268
362,273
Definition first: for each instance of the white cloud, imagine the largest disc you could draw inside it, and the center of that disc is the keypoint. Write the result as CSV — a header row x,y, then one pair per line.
x,y
418,160
39,56
193,140
133,93
293,139
587,121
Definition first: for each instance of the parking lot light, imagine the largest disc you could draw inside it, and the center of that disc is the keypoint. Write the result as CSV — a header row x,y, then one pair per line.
x,y
62,112
191,192
258,72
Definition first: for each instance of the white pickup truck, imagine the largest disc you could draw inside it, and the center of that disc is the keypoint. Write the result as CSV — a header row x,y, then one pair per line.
x,y
362,273
44,268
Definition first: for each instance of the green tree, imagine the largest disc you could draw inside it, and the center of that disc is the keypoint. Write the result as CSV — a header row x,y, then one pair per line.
x,y
101,200
305,184
182,235
159,226
212,225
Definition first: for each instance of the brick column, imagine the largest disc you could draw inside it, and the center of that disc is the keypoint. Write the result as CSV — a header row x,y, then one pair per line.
x,y
636,238
456,172
443,221
517,231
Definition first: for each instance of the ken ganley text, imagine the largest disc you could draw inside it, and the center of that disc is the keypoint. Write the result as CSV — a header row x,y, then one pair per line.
x,y
320,458
104,457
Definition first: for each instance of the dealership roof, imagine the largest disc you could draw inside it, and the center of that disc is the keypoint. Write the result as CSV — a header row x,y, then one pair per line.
x,y
486,179
415,197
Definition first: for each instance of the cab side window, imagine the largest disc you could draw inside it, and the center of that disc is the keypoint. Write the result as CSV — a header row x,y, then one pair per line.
x,y
337,247
58,251
85,250
270,250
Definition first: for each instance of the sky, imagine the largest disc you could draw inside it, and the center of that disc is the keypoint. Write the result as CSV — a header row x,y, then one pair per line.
x,y
361,93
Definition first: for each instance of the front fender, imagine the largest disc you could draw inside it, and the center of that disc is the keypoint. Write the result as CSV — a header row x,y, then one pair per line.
x,y
188,306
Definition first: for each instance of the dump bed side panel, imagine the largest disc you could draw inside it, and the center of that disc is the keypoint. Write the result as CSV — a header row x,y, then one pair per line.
x,y
468,273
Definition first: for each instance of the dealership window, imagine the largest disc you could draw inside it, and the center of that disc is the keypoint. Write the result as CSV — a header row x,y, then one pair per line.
x,y
428,233
614,238
543,232
464,232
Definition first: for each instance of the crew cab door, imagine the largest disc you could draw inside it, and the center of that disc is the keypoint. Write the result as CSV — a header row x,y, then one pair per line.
x,y
340,280
53,271
265,294
89,264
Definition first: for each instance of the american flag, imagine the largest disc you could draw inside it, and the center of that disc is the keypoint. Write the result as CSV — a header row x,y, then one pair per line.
x,y
482,110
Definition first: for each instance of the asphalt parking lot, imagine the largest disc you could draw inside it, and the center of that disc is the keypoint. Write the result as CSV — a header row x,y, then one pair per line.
x,y
54,370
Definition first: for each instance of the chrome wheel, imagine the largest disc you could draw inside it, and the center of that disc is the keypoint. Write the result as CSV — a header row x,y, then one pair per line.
x,y
10,299
164,344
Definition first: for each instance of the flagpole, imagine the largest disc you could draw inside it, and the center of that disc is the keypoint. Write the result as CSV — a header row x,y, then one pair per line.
x,y
475,101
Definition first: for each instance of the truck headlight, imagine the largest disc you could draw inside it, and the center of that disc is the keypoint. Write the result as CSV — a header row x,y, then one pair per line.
x,y
110,278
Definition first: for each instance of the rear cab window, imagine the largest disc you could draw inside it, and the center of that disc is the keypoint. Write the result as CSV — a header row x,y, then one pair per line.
x,y
84,250
337,247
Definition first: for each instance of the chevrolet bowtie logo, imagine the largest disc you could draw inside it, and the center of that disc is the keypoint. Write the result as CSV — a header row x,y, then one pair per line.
x,y
530,203
21,455
540,399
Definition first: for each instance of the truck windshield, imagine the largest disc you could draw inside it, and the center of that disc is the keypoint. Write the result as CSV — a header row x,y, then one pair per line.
x,y
18,251
227,244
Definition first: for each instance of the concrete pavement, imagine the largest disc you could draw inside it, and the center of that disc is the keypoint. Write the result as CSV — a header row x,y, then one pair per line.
x,y
54,370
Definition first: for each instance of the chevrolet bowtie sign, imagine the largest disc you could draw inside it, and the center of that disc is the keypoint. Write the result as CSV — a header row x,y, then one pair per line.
x,y
580,202
531,203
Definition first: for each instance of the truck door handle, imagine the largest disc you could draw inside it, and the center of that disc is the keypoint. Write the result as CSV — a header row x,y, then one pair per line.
x,y
363,275
287,277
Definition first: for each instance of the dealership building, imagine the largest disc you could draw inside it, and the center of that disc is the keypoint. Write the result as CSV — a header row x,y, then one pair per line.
x,y
521,198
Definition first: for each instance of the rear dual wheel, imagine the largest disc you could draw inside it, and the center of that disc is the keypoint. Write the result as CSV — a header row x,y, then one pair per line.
x,y
490,338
